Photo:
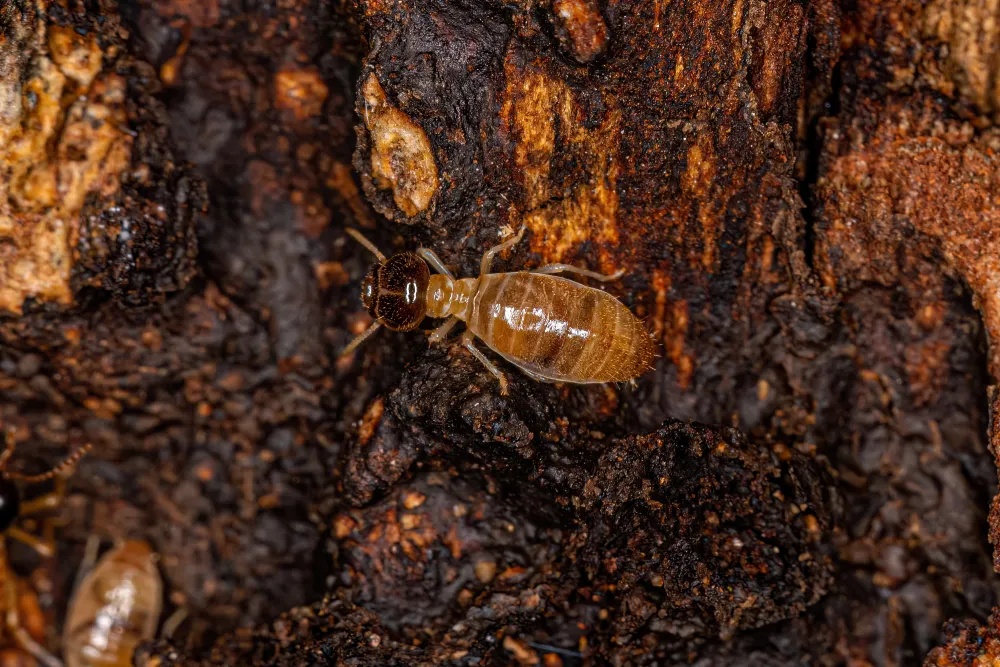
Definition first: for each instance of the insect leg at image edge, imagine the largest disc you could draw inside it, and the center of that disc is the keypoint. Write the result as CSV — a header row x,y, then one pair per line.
x,y
11,509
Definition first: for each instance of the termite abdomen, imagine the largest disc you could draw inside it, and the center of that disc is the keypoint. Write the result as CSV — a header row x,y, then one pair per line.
x,y
395,291
115,608
556,329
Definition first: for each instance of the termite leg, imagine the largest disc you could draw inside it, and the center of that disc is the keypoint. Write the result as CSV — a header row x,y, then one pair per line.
x,y
89,560
467,342
361,338
12,619
431,258
488,256
438,334
44,547
29,645
569,268
49,501
173,622
9,445
7,588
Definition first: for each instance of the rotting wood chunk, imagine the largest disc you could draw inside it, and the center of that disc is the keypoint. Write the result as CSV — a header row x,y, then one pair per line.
x,y
89,191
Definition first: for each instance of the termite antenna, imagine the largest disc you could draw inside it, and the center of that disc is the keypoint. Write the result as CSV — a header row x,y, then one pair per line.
x,y
59,469
361,338
359,237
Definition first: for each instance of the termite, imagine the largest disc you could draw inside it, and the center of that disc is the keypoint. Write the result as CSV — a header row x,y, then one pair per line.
x,y
553,329
30,617
11,509
115,607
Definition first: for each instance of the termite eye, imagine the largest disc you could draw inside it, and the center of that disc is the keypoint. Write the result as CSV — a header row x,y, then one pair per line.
x,y
10,503
368,289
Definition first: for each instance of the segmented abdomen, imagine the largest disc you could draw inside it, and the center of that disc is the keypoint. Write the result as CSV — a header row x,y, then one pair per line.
x,y
559,329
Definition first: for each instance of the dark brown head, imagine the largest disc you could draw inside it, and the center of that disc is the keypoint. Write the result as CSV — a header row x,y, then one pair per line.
x,y
10,503
395,291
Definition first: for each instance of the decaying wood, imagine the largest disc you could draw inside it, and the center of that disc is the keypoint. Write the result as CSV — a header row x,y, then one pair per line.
x,y
801,195
90,194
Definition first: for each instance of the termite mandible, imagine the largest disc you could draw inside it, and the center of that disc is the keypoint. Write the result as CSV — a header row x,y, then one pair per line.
x,y
553,329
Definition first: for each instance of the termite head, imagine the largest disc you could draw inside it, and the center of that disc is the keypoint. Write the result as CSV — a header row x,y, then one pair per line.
x,y
10,503
395,291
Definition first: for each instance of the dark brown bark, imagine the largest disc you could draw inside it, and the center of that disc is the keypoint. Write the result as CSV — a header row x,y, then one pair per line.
x,y
802,196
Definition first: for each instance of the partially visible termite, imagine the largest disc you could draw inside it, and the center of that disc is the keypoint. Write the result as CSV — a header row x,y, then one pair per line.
x,y
553,329
11,509
115,607
29,617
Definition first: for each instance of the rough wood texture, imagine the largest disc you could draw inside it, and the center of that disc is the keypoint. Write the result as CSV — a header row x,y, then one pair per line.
x,y
89,192
802,196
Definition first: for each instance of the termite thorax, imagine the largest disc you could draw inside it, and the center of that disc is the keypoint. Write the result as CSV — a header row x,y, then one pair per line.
x,y
446,297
